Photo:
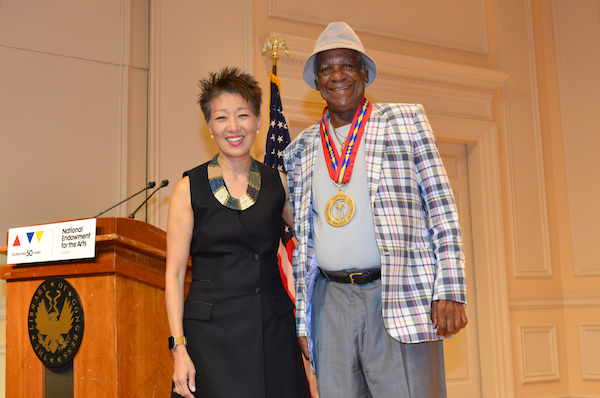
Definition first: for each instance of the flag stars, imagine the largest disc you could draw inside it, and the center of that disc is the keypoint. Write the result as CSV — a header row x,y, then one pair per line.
x,y
278,136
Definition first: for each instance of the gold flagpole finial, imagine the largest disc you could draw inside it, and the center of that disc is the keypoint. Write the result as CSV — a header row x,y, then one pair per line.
x,y
275,45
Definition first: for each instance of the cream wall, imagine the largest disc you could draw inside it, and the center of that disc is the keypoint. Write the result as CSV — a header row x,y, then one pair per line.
x,y
189,38
85,85
72,110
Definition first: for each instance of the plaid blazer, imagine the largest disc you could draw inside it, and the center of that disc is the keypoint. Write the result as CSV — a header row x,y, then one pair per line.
x,y
416,222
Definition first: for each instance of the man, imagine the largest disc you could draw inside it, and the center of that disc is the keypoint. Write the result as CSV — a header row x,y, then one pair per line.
x,y
379,267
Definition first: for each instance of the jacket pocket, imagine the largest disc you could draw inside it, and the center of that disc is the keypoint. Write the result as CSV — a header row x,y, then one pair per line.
x,y
197,310
283,305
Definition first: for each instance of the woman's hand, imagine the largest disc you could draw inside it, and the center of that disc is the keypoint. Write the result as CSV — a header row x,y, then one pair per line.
x,y
184,372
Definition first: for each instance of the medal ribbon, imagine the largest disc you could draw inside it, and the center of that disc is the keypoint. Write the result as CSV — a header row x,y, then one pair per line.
x,y
340,167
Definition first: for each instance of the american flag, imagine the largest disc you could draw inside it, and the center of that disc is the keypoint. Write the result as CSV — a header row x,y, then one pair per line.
x,y
279,136
278,139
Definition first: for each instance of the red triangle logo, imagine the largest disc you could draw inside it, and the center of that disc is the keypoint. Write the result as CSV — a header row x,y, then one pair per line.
x,y
17,243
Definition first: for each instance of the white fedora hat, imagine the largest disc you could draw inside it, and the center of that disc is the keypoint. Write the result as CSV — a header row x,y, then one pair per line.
x,y
337,35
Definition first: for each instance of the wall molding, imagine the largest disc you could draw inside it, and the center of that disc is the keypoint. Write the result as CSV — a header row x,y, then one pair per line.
x,y
124,61
526,190
553,300
3,323
570,151
248,32
488,248
468,89
402,67
589,346
530,334
574,396
479,48
153,154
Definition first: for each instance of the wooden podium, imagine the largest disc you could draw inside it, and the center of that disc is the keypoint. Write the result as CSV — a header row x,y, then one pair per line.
x,y
124,350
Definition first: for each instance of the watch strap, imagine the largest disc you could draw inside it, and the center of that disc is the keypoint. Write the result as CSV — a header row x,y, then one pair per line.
x,y
174,341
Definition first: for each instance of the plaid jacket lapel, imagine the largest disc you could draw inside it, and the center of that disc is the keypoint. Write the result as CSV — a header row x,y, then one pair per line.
x,y
375,149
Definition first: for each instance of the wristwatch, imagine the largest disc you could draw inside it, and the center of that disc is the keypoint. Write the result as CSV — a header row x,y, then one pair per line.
x,y
173,341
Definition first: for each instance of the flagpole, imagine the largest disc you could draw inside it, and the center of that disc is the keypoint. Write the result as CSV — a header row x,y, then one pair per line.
x,y
278,138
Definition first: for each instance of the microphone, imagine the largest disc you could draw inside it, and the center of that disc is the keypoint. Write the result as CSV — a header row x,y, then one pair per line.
x,y
163,184
151,184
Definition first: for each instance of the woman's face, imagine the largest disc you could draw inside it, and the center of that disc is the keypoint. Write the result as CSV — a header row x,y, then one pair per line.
x,y
233,125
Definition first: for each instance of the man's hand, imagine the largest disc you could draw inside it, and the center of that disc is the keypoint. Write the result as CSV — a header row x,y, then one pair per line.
x,y
448,316
303,343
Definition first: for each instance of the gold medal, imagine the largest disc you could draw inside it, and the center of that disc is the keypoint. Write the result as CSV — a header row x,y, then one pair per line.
x,y
339,210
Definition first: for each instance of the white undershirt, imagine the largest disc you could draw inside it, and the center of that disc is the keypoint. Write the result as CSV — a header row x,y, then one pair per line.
x,y
352,246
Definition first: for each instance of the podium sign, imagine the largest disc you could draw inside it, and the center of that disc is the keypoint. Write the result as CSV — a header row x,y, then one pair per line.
x,y
52,242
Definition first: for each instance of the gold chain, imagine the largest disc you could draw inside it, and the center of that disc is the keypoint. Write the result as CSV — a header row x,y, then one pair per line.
x,y
342,143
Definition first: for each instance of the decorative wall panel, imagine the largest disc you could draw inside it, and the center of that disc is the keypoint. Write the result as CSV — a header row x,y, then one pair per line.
x,y
589,343
456,24
554,300
539,353
577,32
528,210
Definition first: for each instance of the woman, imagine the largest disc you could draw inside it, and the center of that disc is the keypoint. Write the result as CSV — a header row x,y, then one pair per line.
x,y
238,318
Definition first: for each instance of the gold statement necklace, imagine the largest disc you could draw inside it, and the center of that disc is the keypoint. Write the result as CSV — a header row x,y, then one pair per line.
x,y
219,190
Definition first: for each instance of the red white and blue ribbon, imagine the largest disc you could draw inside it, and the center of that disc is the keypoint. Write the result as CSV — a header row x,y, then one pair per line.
x,y
340,166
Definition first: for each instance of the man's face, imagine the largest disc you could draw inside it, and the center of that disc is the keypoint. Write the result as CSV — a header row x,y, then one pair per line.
x,y
341,80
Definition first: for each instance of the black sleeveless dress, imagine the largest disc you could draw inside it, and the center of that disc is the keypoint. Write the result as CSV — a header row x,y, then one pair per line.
x,y
238,318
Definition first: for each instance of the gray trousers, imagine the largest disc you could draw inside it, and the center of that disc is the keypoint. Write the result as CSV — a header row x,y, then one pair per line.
x,y
356,358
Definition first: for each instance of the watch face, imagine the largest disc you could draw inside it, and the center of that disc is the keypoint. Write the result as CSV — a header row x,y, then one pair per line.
x,y
171,342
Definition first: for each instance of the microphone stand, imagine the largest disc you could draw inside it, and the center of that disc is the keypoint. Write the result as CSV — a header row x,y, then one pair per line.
x,y
151,184
163,184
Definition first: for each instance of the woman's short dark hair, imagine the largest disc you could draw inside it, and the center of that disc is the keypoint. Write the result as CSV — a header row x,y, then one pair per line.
x,y
229,80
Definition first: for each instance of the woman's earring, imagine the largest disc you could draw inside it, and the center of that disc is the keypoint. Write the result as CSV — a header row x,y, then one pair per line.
x,y
257,131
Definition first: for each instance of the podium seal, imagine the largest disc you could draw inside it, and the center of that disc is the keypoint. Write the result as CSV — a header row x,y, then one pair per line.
x,y
55,322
